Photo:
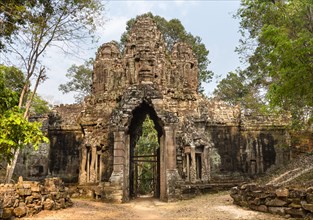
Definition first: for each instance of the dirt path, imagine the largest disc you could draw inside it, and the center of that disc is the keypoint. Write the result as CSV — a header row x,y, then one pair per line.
x,y
214,206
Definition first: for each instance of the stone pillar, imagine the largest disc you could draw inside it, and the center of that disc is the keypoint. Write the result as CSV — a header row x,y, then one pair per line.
x,y
193,173
100,167
172,176
83,173
163,183
93,174
170,147
118,158
206,168
188,166
126,169
88,165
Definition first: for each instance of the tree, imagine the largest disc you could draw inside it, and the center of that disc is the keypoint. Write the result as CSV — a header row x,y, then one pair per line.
x,y
48,23
278,46
15,130
13,78
173,31
45,24
12,13
231,89
236,89
39,106
8,95
80,80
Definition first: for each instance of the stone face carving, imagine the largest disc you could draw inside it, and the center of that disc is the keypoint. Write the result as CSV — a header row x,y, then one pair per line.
x,y
201,141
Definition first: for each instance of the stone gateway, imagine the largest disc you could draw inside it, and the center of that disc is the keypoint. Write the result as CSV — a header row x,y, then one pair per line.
x,y
202,143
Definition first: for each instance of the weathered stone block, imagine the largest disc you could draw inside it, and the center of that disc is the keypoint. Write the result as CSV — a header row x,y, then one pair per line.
x,y
35,188
295,203
296,213
7,213
26,185
36,195
265,195
48,204
284,192
20,211
57,206
62,203
309,198
68,202
29,199
8,201
262,208
295,193
276,202
308,207
256,201
25,192
277,210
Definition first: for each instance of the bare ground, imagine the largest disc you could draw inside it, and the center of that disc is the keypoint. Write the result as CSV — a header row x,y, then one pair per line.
x,y
212,206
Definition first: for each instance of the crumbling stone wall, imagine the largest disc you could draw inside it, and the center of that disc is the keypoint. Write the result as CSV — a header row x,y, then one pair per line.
x,y
288,201
65,138
27,198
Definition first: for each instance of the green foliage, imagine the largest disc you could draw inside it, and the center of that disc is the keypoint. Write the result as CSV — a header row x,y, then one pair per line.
x,y
62,23
13,77
39,106
231,89
278,46
148,141
236,89
80,80
146,145
173,31
8,97
12,13
17,132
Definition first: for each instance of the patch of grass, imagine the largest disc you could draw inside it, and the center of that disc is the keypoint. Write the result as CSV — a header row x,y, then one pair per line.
x,y
304,179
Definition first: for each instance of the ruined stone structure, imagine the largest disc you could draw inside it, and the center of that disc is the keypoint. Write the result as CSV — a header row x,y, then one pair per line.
x,y
292,201
202,142
26,198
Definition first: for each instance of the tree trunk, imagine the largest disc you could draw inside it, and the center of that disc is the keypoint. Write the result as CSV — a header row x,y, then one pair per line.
x,y
11,166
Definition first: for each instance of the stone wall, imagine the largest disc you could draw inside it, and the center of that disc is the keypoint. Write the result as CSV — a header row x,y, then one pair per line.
x,y
27,198
65,138
288,201
61,157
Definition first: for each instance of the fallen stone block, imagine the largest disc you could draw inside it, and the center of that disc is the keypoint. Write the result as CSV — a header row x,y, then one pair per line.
x,y
20,211
276,203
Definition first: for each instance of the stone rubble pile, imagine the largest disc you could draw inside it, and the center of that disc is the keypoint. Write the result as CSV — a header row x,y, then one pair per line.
x,y
27,198
287,201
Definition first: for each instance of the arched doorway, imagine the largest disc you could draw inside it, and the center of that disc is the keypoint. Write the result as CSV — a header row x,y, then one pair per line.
x,y
144,152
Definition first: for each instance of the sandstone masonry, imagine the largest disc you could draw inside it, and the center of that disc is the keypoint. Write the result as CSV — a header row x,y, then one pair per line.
x,y
27,198
286,201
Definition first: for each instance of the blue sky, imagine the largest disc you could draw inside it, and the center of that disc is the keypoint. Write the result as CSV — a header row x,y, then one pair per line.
x,y
211,20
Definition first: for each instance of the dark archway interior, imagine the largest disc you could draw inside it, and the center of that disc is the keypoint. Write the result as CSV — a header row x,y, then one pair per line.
x,y
135,131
